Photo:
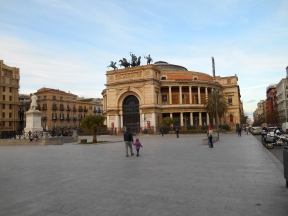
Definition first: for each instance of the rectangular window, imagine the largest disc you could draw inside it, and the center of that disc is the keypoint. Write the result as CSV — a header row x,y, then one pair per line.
x,y
10,81
3,106
10,106
164,99
39,98
229,100
3,97
10,89
10,115
4,88
3,115
44,97
10,124
54,116
74,100
54,97
68,99
61,98
10,98
3,80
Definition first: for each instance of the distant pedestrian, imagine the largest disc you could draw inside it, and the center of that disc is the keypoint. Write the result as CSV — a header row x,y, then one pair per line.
x,y
247,129
210,137
177,132
162,132
239,131
128,139
137,145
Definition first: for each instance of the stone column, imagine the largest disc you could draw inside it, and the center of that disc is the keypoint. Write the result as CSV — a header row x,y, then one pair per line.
x,y
190,94
199,96
207,117
181,119
108,121
206,92
200,118
154,121
142,121
117,122
170,95
191,118
180,94
121,121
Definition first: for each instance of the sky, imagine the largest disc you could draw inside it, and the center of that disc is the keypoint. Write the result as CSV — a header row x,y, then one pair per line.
x,y
68,44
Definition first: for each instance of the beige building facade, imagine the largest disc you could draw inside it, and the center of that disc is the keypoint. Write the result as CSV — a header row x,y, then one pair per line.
x,y
9,84
140,97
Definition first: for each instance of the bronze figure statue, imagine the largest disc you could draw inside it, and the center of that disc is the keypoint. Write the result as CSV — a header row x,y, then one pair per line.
x,y
149,59
112,65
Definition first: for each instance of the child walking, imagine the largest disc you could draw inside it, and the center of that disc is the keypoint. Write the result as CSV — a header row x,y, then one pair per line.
x,y
137,145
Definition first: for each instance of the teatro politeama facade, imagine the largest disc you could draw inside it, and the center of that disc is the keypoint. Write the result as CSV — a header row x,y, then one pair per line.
x,y
140,97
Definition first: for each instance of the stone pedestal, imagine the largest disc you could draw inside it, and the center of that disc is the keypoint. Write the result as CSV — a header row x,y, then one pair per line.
x,y
33,121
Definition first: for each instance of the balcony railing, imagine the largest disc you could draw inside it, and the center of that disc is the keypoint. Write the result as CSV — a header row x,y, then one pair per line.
x,y
54,108
54,118
74,110
44,108
68,109
80,109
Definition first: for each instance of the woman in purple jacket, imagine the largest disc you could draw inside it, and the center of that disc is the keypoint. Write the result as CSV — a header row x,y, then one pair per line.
x,y
137,145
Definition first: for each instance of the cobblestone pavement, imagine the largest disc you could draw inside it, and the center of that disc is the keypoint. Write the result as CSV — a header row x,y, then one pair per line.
x,y
171,177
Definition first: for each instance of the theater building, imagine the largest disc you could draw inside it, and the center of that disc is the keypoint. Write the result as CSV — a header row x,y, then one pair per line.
x,y
140,97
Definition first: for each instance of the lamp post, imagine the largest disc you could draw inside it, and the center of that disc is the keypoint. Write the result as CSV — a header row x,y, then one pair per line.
x,y
216,99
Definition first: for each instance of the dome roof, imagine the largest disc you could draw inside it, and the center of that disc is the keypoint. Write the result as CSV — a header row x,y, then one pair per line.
x,y
166,66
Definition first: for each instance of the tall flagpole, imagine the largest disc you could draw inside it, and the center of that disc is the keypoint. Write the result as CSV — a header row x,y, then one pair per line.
x,y
216,99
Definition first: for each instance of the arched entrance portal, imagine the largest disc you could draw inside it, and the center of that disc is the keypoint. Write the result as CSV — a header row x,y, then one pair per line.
x,y
131,116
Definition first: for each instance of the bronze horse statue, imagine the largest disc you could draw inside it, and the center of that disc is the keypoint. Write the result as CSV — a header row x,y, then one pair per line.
x,y
112,65
124,63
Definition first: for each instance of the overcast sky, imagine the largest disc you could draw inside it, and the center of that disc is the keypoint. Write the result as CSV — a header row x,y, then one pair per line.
x,y
67,44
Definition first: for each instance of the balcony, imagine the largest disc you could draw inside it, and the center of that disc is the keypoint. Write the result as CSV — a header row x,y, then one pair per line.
x,y
68,109
61,108
54,118
54,108
74,110
44,108
85,110
80,109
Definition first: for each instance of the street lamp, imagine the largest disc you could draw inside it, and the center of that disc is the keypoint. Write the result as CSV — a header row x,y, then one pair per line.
x,y
216,101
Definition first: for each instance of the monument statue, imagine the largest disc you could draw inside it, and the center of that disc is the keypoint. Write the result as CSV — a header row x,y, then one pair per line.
x,y
138,61
112,65
133,60
124,63
149,59
33,104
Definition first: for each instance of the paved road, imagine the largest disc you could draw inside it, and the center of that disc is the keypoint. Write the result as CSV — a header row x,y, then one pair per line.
x,y
171,177
277,151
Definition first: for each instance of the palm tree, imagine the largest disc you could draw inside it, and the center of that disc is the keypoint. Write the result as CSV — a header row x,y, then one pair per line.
x,y
210,104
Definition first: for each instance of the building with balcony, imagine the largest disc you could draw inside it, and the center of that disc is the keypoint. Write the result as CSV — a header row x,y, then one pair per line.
x,y
9,84
140,97
281,99
271,92
61,109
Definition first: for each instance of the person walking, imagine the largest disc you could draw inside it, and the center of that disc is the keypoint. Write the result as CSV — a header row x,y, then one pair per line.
x,y
239,131
210,136
247,129
128,139
162,132
137,145
177,132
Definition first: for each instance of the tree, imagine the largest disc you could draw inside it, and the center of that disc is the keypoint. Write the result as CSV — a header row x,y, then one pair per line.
x,y
273,117
167,121
93,123
210,104
244,118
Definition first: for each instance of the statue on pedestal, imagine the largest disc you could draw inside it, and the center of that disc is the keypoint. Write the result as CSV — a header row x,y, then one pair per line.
x,y
149,59
33,104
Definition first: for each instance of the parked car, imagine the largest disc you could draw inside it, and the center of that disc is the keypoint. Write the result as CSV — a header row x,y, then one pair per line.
x,y
271,131
256,130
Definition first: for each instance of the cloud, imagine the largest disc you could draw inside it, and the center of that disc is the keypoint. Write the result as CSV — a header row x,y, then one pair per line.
x,y
251,101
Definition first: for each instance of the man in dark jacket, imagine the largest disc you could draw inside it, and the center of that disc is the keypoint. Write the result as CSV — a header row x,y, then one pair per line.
x,y
128,139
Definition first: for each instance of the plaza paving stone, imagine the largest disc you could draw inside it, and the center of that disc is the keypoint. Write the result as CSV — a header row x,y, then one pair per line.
x,y
171,177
